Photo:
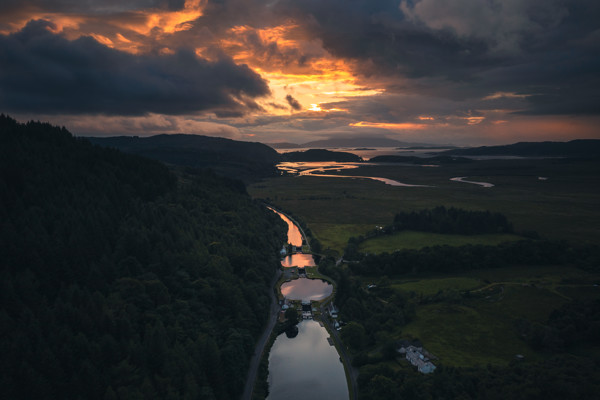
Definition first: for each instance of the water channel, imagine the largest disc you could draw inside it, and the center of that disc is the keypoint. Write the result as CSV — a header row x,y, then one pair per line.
x,y
306,289
319,169
307,365
463,180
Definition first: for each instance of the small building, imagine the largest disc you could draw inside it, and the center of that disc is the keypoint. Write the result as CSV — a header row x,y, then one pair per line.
x,y
426,368
418,357
283,251
333,311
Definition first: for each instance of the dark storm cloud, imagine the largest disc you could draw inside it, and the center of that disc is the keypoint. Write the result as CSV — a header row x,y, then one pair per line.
x,y
549,50
41,71
293,102
87,7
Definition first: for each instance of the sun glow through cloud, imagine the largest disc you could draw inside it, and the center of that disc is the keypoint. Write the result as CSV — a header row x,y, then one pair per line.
x,y
391,126
340,78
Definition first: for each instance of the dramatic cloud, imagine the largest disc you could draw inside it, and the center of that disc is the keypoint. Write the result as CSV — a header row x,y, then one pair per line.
x,y
445,71
43,72
462,48
293,102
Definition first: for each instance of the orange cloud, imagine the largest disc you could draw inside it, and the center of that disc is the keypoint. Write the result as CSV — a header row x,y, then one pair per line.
x,y
405,126
108,29
144,21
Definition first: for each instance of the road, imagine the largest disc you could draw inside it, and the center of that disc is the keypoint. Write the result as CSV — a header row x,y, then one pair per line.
x,y
262,342
344,355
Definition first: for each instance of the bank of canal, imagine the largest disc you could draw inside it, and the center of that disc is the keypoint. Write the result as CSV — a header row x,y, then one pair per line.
x,y
313,363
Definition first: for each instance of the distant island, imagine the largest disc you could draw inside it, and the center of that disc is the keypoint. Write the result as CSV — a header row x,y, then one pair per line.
x,y
574,148
320,155
359,143
420,160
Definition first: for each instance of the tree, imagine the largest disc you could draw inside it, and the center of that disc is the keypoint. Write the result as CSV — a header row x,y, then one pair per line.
x,y
291,315
353,335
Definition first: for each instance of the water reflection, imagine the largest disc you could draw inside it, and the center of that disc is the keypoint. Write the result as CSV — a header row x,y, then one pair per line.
x,y
306,367
294,235
318,169
298,260
463,180
306,289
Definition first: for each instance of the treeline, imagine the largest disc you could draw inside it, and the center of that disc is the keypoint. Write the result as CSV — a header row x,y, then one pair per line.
x,y
437,220
572,325
120,281
450,259
558,377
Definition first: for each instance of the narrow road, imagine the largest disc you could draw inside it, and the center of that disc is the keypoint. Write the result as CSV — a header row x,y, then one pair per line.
x,y
344,355
262,342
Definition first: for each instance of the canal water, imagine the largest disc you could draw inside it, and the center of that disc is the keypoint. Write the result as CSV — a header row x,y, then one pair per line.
x,y
305,366
298,260
306,289
294,235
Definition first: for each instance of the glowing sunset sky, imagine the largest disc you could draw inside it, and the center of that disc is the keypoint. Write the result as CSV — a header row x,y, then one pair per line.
x,y
438,71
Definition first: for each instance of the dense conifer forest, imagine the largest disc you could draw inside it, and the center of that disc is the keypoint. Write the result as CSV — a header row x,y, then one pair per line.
x,y
121,280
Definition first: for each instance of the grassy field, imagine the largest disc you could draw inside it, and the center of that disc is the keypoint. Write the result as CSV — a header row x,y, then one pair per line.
x,y
335,236
428,287
416,240
481,330
562,207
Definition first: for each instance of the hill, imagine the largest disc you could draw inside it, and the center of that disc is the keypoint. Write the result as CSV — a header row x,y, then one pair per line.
x,y
574,148
244,160
284,145
320,155
358,142
420,160
119,279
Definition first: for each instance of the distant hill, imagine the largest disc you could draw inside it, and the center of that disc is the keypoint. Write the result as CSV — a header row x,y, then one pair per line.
x,y
243,160
284,145
320,155
574,148
421,160
359,142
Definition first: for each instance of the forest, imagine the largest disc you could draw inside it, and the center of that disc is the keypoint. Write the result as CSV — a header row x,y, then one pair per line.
x,y
451,259
121,279
438,220
248,161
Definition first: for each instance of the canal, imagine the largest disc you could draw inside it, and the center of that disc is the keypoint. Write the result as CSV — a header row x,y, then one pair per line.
x,y
307,365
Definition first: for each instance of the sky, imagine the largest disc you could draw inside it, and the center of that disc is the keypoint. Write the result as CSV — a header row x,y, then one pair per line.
x,y
462,72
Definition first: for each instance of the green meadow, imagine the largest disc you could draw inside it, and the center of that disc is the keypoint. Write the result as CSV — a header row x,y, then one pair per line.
x,y
482,329
427,287
416,240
